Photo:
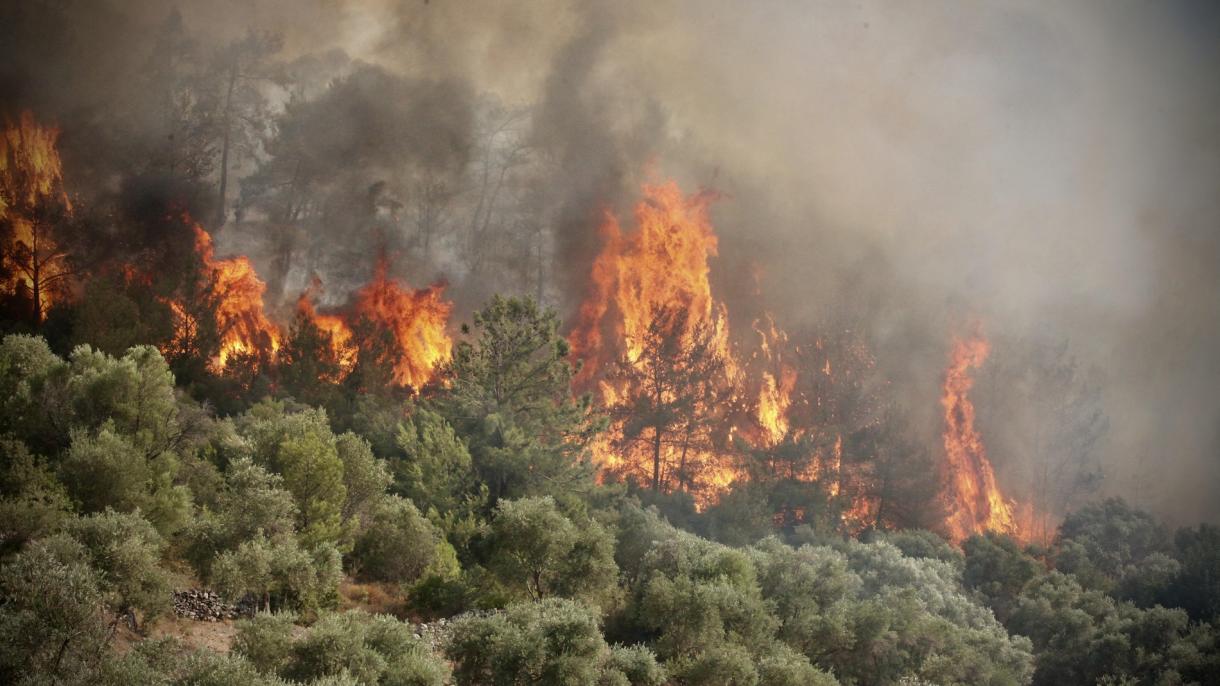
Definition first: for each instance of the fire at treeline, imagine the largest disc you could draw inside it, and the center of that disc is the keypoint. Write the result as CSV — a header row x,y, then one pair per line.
x,y
349,304
693,409
442,343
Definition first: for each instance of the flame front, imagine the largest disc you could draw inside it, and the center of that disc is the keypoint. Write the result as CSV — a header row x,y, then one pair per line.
x,y
415,320
236,292
973,497
660,267
31,191
338,333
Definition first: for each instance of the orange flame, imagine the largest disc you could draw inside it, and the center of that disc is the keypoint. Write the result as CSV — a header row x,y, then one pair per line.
x,y
415,319
778,382
31,181
660,266
237,296
338,334
973,496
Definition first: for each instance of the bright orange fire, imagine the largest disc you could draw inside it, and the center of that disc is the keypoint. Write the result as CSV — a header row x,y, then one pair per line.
x,y
31,192
338,334
975,502
415,319
660,267
663,264
236,293
778,383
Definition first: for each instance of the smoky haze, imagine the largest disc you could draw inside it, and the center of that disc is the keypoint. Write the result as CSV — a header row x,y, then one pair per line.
x,y
1049,171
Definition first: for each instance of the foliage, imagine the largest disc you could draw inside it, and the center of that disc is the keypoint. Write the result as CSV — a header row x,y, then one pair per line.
x,y
126,551
32,502
508,396
107,470
279,569
997,568
49,612
371,649
302,449
1098,541
542,552
266,640
1084,636
399,544
554,641
435,469
1197,586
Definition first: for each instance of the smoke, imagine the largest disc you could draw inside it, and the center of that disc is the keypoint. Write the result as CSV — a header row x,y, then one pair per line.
x,y
1051,172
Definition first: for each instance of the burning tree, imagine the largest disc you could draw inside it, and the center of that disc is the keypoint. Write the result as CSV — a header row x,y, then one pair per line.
x,y
33,210
655,346
673,402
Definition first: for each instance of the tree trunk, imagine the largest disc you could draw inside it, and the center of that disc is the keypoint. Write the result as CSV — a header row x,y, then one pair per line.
x,y
656,458
221,214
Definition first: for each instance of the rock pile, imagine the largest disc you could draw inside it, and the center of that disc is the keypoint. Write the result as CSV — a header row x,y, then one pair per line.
x,y
208,606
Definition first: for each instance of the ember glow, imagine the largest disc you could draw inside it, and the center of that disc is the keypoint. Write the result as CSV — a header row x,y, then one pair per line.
x,y
31,194
974,499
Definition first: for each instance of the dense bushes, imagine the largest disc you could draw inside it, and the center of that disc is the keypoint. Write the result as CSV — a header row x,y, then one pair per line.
x,y
110,479
553,641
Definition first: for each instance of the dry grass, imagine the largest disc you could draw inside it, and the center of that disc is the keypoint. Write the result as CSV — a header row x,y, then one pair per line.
x,y
374,598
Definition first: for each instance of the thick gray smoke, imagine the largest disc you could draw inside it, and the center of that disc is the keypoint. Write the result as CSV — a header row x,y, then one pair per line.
x,y
1050,171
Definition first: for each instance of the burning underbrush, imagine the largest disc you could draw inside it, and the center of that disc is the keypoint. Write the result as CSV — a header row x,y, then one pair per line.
x,y
407,325
695,408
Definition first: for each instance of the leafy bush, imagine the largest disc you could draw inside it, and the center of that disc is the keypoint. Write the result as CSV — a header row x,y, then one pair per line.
x,y
555,641
126,550
372,649
541,552
398,545
279,569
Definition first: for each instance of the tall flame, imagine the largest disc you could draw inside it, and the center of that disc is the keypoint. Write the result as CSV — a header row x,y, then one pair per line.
x,y
661,266
31,181
334,327
236,292
415,320
778,381
973,496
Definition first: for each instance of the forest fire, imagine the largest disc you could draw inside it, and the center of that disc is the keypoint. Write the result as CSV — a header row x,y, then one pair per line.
x,y
410,323
655,342
414,319
236,293
32,200
778,383
664,264
973,497
339,336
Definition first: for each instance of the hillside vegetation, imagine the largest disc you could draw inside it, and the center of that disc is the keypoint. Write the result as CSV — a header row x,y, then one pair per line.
x,y
476,503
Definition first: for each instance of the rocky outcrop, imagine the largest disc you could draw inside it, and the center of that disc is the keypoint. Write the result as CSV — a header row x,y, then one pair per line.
x,y
208,606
